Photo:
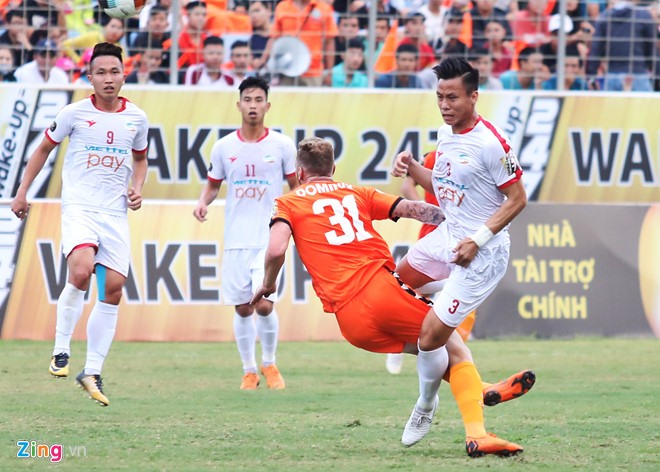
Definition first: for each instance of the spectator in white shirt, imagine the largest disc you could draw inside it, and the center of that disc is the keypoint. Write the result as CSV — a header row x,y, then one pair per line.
x,y
209,72
42,69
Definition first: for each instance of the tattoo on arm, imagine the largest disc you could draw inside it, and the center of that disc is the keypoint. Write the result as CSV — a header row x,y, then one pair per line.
x,y
420,211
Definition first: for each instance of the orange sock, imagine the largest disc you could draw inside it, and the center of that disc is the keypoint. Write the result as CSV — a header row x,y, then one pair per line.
x,y
465,328
466,387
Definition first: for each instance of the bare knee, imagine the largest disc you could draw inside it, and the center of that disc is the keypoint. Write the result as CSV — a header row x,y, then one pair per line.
x,y
113,294
244,310
79,276
434,333
264,307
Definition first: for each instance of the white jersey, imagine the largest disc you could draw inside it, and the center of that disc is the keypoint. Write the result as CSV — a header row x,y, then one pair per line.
x,y
470,169
99,162
255,176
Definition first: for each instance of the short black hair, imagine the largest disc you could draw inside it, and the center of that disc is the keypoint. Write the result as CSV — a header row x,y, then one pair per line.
x,y
11,13
253,82
213,40
402,48
383,17
239,44
156,9
346,16
453,67
106,49
193,4
355,43
524,54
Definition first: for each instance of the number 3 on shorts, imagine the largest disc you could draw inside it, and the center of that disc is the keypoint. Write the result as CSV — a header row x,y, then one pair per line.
x,y
452,309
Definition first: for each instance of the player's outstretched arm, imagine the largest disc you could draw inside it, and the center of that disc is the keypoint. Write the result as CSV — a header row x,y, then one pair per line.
x,y
209,193
420,211
19,204
280,234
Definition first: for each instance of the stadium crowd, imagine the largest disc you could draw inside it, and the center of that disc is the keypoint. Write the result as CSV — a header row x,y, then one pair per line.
x,y
609,44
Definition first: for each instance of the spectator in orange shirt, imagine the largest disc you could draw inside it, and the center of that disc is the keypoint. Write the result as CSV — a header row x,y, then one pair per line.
x,y
415,34
312,22
191,39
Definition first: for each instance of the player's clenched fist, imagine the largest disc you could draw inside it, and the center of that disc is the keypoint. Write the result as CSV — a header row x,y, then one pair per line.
x,y
200,212
401,163
134,199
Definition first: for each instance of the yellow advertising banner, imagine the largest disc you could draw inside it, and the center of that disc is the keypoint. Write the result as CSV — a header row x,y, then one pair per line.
x,y
605,149
577,148
174,289
368,128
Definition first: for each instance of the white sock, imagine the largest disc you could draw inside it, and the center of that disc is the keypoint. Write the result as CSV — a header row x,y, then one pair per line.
x,y
431,366
246,337
268,328
69,309
101,328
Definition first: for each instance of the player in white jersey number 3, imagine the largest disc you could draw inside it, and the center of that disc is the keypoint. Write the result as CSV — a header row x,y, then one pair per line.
x,y
254,161
107,147
478,184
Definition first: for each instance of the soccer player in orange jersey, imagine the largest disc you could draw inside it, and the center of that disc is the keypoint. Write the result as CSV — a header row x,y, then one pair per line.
x,y
352,273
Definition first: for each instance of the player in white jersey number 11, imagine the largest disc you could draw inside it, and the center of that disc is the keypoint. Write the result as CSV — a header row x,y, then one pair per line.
x,y
255,161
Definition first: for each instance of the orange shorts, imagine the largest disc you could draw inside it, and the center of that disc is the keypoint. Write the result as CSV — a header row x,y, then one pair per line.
x,y
383,317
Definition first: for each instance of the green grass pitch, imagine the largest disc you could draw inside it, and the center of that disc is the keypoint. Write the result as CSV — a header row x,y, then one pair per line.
x,y
178,407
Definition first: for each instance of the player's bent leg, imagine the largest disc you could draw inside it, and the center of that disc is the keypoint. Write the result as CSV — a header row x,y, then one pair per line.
x,y
514,387
80,263
411,277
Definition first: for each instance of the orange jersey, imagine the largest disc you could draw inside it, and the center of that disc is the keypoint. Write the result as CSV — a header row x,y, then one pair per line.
x,y
312,25
429,197
332,227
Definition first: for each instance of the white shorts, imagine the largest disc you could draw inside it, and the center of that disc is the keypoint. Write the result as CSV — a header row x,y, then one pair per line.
x,y
107,233
242,275
465,288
